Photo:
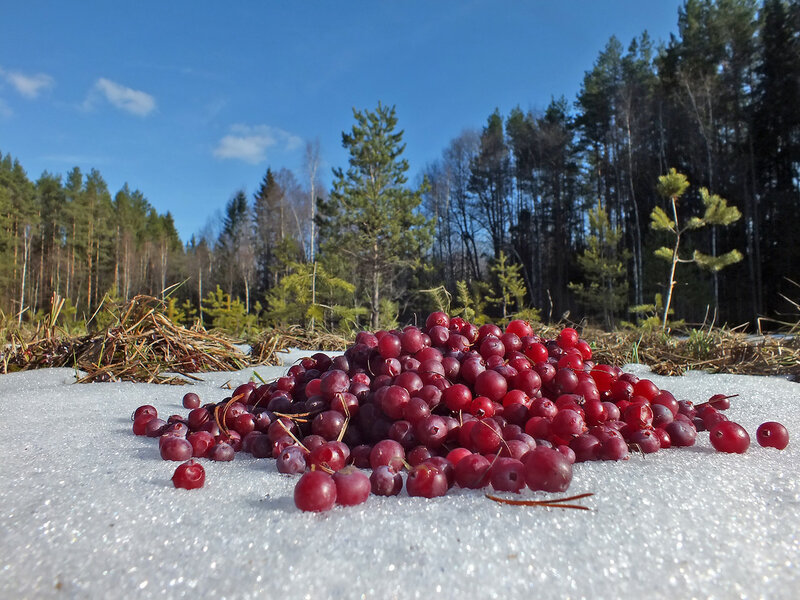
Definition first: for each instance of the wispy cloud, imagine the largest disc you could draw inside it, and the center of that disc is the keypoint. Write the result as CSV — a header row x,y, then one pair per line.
x,y
135,102
251,142
29,86
5,109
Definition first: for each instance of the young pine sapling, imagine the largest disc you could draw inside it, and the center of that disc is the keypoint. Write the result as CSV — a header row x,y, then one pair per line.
x,y
672,187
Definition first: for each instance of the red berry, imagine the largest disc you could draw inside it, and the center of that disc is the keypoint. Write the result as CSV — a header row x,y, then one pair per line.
x,y
352,486
437,318
567,338
189,475
720,401
547,469
140,423
473,471
175,448
191,400
385,482
315,492
507,475
426,480
772,435
727,436
520,328
145,409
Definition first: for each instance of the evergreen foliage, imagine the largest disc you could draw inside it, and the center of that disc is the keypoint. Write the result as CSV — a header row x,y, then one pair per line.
x,y
507,203
510,286
671,187
603,265
371,217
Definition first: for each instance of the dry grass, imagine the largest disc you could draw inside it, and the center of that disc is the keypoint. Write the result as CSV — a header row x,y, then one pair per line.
x,y
714,350
144,345
265,350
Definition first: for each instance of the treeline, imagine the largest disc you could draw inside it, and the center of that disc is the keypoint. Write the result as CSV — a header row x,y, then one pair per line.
x,y
720,102
546,211
71,237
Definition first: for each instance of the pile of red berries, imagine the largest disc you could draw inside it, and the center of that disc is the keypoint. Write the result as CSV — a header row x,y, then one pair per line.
x,y
451,404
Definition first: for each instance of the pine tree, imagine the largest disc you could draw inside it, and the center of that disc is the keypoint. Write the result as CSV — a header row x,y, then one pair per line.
x,y
490,182
672,187
265,205
510,284
603,266
371,216
236,244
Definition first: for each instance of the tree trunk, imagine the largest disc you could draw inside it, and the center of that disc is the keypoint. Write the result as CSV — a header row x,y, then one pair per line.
x,y
26,247
200,293
313,292
637,233
376,297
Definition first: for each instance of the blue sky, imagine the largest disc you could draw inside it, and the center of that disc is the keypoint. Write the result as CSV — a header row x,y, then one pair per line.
x,y
191,101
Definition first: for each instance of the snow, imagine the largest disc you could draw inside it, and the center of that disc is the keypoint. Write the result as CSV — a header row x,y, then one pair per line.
x,y
87,510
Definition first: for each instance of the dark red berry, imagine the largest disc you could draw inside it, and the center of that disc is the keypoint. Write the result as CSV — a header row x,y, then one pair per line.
x,y
727,436
315,492
547,469
189,475
772,435
191,400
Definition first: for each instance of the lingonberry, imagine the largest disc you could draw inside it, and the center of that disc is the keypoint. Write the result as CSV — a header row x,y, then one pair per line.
x,y
189,475
175,448
727,436
191,400
352,486
385,482
547,469
315,492
507,475
772,435
427,481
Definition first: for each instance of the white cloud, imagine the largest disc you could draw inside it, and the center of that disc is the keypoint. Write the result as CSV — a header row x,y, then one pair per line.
x,y
29,86
124,98
250,142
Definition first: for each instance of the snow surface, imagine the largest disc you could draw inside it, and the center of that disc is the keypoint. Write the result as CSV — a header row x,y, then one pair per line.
x,y
87,510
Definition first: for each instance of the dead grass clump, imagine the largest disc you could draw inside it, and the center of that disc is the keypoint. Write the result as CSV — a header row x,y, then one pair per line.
x,y
143,345
273,341
716,350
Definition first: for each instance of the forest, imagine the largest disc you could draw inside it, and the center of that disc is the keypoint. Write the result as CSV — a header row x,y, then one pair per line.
x,y
560,213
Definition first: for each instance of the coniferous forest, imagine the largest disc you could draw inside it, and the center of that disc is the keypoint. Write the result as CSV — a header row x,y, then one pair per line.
x,y
570,209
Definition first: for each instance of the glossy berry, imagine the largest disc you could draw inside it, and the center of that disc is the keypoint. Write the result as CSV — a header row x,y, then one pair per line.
x,y
175,448
772,435
352,486
681,433
473,471
292,460
427,481
547,469
385,482
315,492
191,400
507,475
727,436
189,475
145,409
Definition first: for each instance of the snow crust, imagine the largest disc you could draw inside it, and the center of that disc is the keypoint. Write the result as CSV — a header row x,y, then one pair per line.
x,y
87,510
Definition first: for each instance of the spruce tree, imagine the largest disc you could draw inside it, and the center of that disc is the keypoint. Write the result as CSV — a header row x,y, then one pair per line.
x,y
510,284
603,264
371,217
